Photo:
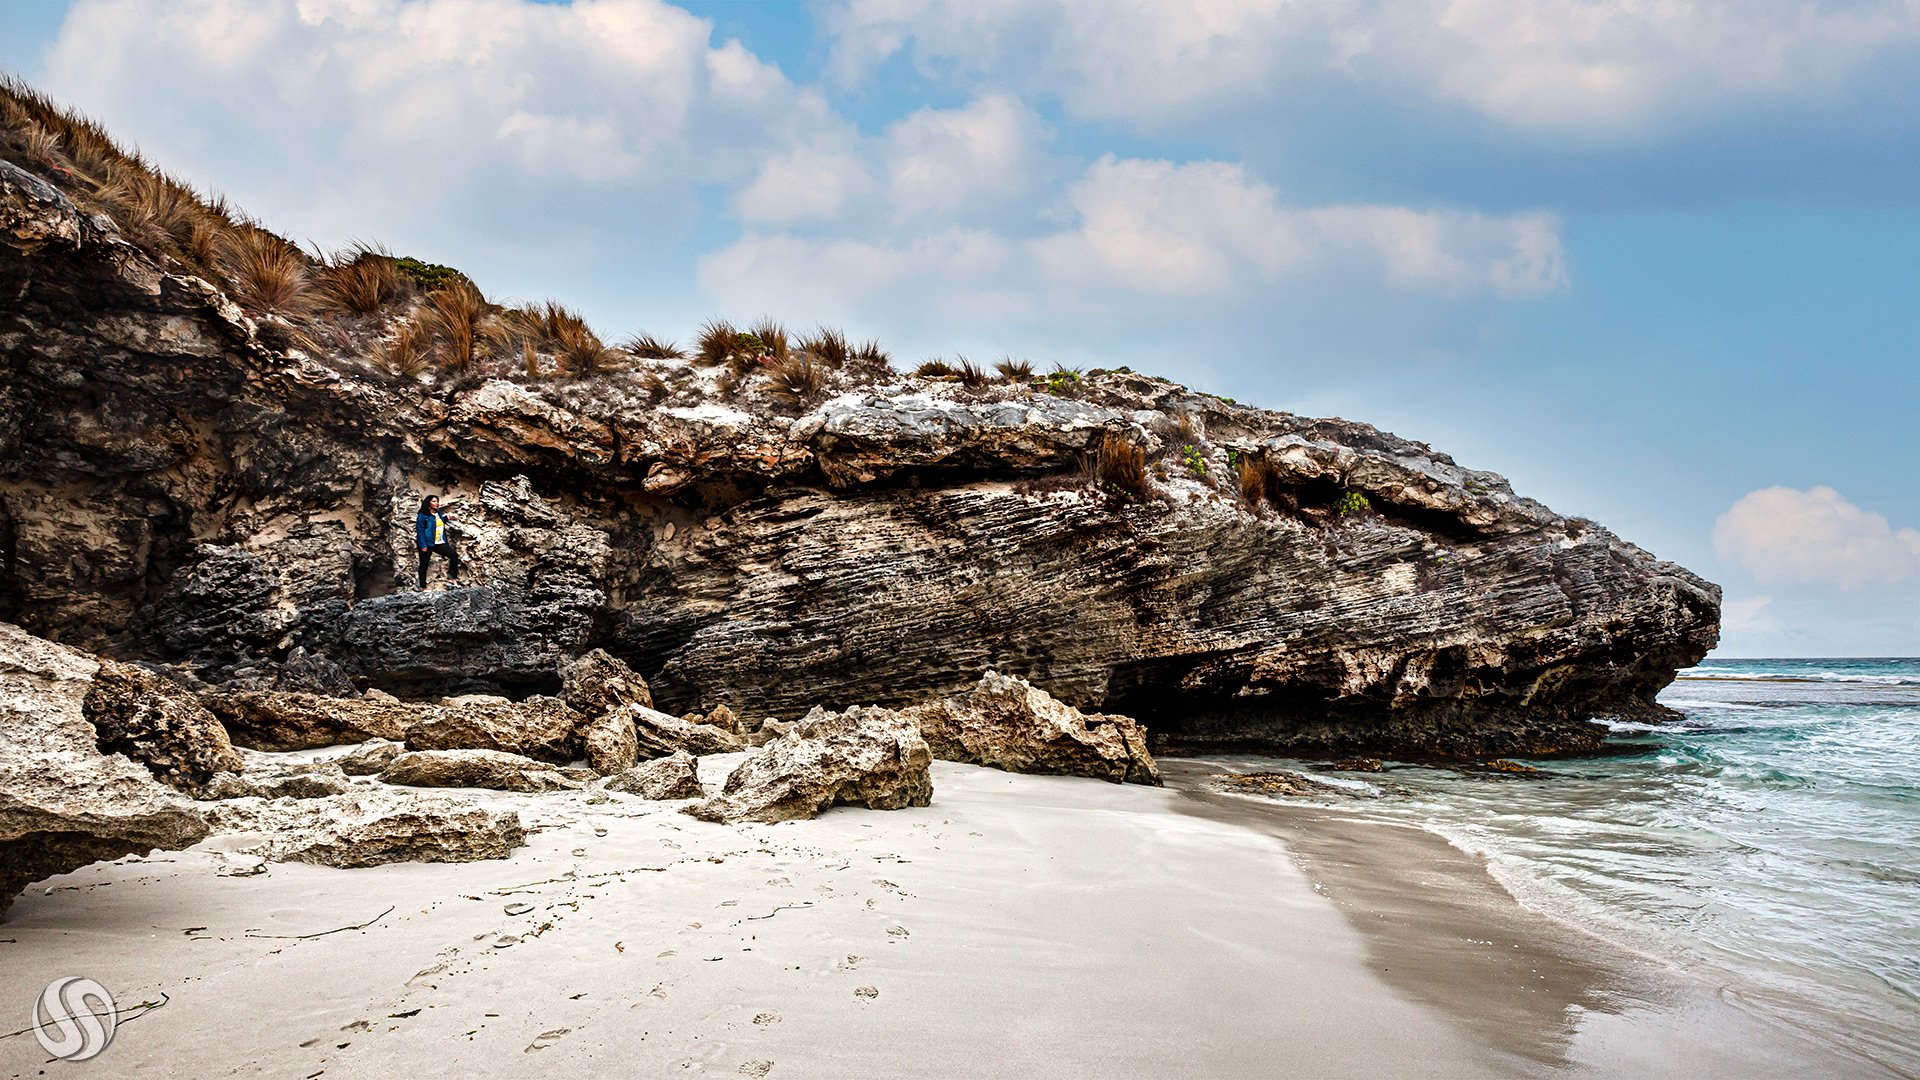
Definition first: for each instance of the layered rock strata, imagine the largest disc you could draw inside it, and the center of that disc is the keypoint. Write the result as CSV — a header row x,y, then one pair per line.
x,y
182,483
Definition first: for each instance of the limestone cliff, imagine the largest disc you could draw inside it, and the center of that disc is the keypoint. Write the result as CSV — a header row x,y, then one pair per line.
x,y
184,484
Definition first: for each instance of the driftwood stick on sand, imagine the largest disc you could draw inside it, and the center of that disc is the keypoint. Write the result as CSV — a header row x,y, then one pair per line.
x,y
324,933
120,1016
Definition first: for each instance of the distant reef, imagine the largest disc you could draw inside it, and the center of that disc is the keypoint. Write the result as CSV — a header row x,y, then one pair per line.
x,y
212,446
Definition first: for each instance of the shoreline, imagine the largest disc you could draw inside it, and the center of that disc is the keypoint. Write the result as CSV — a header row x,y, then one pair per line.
x,y
1021,925
1562,996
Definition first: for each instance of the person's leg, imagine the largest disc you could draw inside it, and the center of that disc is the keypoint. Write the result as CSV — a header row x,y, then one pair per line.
x,y
425,558
453,561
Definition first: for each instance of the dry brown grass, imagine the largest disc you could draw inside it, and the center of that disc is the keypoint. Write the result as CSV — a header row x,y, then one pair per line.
x,y
361,280
408,352
716,343
265,274
1187,429
828,346
936,369
1261,481
869,354
559,330
1014,370
798,378
458,318
772,336
971,375
648,347
1121,467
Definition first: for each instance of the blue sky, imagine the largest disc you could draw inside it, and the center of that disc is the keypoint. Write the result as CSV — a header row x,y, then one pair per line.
x,y
1658,265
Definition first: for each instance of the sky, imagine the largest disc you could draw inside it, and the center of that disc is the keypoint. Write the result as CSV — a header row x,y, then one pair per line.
x,y
1657,263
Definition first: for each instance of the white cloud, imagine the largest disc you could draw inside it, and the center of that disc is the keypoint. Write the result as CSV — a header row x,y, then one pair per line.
x,y
1815,537
940,161
805,183
1146,238
501,125
1606,68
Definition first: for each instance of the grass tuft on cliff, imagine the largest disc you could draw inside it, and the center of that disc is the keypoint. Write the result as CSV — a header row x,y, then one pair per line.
x,y
266,274
361,280
1120,467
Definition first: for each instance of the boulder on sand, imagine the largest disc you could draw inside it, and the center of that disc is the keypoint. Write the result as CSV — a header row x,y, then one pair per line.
x,y
371,828
63,803
675,777
1008,723
610,743
370,757
866,756
599,682
159,724
544,728
475,769
660,734
281,720
265,778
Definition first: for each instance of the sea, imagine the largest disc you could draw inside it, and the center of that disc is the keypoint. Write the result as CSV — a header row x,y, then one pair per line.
x,y
1768,835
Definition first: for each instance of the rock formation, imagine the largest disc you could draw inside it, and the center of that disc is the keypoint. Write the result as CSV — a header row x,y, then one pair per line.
x,y
370,828
266,779
280,720
865,756
475,769
185,483
539,727
658,734
370,757
1007,723
611,743
673,777
63,803
158,724
597,684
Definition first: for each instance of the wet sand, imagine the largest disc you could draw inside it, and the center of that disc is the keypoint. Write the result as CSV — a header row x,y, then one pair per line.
x,y
1441,930
1021,926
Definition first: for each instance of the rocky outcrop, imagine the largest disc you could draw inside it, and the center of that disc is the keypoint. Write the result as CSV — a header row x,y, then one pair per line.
x,y
180,483
865,756
674,777
159,724
539,727
1007,723
659,734
369,828
276,720
63,803
475,769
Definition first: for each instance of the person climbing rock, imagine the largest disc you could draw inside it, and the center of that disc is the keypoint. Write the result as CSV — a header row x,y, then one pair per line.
x,y
433,535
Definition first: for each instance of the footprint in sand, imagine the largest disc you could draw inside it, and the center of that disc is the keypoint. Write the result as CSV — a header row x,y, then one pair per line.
x,y
898,931
756,1068
765,1018
853,961
545,1039
867,993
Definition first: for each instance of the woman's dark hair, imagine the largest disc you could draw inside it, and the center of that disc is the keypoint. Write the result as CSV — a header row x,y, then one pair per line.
x,y
424,508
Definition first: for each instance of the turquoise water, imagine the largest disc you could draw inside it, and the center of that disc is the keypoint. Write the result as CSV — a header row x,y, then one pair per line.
x,y
1769,839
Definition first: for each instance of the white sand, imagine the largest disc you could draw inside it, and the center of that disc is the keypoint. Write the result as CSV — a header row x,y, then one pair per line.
x,y
1020,926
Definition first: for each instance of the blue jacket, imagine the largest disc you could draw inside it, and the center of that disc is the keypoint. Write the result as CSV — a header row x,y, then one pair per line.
x,y
423,529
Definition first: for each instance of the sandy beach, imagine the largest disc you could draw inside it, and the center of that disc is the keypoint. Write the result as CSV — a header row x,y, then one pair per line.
x,y
1020,926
